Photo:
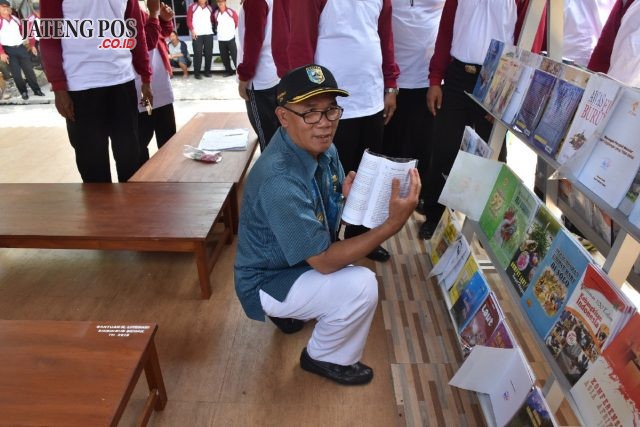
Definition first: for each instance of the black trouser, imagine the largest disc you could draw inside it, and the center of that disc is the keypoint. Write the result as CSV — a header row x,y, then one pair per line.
x,y
261,109
19,61
228,50
409,133
458,111
162,121
100,114
202,44
352,138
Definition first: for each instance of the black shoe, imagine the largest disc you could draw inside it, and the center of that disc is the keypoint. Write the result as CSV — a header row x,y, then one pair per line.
x,y
420,207
198,77
207,74
228,74
288,326
25,95
38,93
426,229
379,254
355,374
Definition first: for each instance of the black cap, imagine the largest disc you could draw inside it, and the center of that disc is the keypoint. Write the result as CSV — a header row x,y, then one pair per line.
x,y
5,3
307,81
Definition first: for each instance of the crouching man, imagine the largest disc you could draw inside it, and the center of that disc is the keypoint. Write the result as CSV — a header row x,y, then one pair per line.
x,y
290,264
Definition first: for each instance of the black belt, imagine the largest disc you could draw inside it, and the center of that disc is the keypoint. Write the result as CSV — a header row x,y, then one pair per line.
x,y
468,68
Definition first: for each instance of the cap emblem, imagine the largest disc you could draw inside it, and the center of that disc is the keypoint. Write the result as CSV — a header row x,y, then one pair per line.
x,y
315,74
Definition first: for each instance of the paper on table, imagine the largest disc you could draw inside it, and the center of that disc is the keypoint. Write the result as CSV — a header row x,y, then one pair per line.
x,y
224,139
469,184
502,373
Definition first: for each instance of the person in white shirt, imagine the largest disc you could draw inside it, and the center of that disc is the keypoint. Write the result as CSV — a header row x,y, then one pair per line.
x,y
409,132
201,22
583,22
14,53
226,23
625,55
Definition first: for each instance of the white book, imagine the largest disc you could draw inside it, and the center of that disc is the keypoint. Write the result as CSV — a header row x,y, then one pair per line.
x,y
614,161
474,144
530,62
368,200
224,139
593,110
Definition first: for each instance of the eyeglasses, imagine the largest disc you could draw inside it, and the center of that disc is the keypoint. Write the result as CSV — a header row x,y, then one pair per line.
x,y
312,117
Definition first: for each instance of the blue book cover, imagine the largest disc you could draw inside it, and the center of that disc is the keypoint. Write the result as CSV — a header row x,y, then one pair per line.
x,y
470,300
534,102
488,69
555,279
556,118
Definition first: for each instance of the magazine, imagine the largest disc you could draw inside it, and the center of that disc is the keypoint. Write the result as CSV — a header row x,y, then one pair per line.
x,y
534,102
534,412
469,301
488,68
482,325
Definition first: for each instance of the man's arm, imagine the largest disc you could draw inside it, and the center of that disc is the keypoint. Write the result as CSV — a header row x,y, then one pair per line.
x,y
190,19
345,252
390,69
442,51
255,19
601,55
304,18
51,49
139,54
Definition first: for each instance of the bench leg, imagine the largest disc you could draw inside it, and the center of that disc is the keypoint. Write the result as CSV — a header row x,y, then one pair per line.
x,y
203,270
227,218
157,393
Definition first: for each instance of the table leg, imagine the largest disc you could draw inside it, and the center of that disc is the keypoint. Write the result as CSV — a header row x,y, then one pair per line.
x,y
203,270
235,208
154,376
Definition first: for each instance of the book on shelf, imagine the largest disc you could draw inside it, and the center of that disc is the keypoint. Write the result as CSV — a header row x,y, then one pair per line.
x,y
609,391
602,223
469,183
502,337
446,232
494,52
631,196
501,373
498,201
452,261
533,249
593,110
469,301
368,201
530,62
499,78
554,281
594,314
510,76
515,221
578,202
557,116
482,325
469,268
614,160
534,412
576,75
552,67
534,102
474,144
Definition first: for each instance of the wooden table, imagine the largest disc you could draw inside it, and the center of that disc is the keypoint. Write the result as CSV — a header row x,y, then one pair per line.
x,y
75,373
169,165
167,217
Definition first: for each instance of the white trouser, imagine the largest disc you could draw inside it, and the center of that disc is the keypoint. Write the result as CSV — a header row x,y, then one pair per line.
x,y
343,303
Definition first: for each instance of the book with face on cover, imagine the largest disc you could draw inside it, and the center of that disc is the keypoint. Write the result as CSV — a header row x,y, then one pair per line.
x,y
482,325
609,391
555,278
594,108
533,249
557,116
614,160
593,316
368,201
488,68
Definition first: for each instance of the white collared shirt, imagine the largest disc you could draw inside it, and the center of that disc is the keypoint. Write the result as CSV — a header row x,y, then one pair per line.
x,y
10,32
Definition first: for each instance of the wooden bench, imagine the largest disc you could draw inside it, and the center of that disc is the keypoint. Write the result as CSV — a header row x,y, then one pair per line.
x,y
169,165
166,217
75,373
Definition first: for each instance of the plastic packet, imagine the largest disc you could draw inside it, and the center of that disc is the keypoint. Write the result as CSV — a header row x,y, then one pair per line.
x,y
202,155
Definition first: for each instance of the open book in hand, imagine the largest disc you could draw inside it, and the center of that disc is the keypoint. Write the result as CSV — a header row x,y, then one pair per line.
x,y
224,139
368,200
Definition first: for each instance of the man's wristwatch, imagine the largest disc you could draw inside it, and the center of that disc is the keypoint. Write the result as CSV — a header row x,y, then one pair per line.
x,y
391,90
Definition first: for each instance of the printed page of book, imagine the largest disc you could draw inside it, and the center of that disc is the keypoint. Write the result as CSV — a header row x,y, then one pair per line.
x,y
593,110
469,183
555,278
615,159
451,262
378,208
356,204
